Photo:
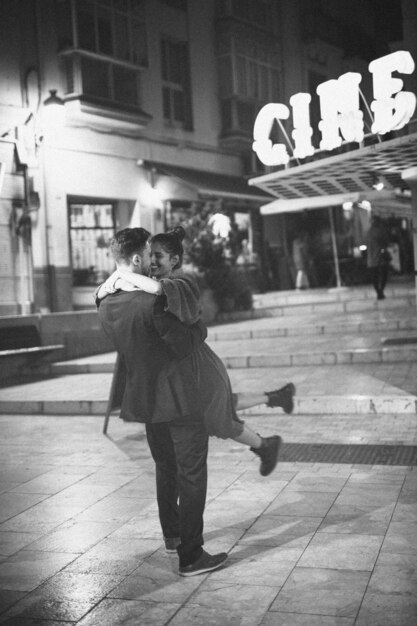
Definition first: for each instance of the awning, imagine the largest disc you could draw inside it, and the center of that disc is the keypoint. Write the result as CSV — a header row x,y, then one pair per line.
x,y
339,178
384,203
206,183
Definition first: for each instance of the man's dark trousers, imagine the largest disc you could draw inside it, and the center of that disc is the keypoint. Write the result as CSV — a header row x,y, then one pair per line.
x,y
180,454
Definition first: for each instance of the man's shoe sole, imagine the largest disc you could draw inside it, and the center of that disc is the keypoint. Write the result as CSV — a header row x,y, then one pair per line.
x,y
203,570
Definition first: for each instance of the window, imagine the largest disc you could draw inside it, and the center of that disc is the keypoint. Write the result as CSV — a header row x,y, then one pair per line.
x,y
248,78
91,229
112,27
176,94
255,12
105,48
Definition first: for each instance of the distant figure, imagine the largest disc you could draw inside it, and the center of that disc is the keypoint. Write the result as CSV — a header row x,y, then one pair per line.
x,y
301,262
378,257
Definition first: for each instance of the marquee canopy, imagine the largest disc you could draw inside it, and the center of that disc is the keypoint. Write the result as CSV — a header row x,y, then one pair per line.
x,y
339,178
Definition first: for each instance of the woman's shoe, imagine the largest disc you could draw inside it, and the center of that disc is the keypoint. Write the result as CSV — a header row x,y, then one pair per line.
x,y
268,453
283,397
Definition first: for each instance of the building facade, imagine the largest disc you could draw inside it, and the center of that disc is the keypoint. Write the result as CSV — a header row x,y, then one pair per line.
x,y
140,85
160,98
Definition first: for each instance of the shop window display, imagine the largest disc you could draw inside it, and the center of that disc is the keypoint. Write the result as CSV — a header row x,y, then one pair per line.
x,y
91,229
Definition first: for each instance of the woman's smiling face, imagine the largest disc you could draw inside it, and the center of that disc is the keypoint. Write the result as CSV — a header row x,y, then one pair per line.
x,y
162,262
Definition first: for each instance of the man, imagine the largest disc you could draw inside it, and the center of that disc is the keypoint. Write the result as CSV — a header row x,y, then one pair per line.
x,y
378,257
148,338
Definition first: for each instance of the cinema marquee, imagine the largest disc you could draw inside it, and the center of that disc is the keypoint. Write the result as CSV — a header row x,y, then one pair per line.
x,y
341,117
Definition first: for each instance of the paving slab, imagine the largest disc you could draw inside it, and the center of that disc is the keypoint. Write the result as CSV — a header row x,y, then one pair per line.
x,y
316,543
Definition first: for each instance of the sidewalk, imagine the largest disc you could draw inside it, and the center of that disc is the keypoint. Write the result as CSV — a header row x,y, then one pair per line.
x,y
312,544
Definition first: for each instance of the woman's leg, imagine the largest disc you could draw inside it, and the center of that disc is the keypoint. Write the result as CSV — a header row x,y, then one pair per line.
x,y
383,278
375,278
283,397
266,448
247,399
249,438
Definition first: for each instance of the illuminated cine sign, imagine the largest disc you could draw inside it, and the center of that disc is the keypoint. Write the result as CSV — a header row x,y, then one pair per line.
x,y
340,112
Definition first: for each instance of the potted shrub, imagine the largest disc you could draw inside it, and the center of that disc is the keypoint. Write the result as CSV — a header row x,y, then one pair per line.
x,y
207,252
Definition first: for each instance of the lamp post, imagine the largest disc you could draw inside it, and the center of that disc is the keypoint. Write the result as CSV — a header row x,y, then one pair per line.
x,y
53,121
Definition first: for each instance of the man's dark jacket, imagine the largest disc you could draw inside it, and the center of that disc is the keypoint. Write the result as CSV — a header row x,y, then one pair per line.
x,y
150,340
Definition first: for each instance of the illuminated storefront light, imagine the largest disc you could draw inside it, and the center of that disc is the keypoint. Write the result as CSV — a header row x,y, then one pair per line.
x,y
391,113
339,107
269,153
341,117
220,225
302,132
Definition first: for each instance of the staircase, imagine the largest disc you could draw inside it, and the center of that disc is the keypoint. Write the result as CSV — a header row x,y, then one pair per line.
x,y
346,352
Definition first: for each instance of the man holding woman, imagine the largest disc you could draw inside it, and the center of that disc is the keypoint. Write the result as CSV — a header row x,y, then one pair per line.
x,y
176,385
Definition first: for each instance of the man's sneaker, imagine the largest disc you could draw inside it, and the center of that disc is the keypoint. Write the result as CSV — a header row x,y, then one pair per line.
x,y
268,453
283,397
205,563
171,544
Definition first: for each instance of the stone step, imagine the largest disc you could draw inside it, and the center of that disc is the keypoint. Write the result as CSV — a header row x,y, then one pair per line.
x,y
240,355
363,390
320,306
304,405
289,297
296,326
397,354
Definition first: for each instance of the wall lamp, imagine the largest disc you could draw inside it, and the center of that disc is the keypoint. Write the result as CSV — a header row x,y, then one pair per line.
x,y
56,109
53,99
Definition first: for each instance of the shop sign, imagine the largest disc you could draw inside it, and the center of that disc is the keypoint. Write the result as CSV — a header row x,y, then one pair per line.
x,y
341,116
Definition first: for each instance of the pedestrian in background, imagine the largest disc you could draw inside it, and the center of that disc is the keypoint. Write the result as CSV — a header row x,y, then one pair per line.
x,y
378,257
300,256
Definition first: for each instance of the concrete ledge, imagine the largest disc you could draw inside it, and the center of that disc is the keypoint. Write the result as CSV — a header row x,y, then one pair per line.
x,y
303,405
79,332
343,405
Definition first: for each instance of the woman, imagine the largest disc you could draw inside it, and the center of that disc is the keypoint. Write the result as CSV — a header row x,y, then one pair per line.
x,y
202,380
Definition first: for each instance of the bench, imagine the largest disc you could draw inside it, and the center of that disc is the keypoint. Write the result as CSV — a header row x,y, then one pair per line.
x,y
25,341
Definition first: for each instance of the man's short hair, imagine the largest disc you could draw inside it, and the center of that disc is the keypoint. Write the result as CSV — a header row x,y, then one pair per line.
x,y
128,242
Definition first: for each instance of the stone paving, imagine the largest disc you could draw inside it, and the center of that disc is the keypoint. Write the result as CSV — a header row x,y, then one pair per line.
x,y
312,544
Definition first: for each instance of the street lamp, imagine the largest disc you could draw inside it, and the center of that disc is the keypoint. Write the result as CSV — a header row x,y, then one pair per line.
x,y
56,109
28,145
